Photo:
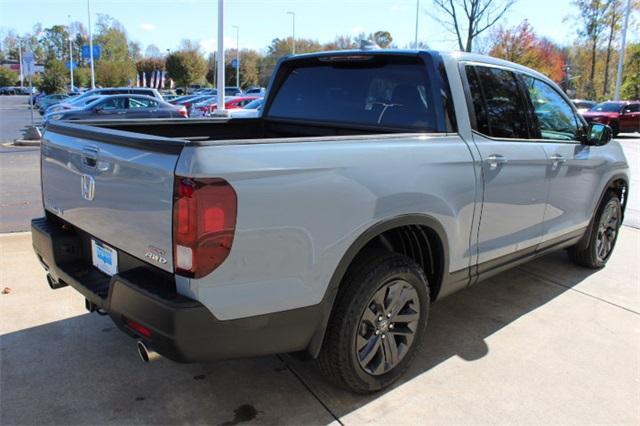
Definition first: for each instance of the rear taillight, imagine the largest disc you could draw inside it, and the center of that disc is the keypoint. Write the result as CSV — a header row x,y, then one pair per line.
x,y
183,112
204,221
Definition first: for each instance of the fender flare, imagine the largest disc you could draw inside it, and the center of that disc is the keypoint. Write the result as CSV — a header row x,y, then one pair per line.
x,y
348,257
584,241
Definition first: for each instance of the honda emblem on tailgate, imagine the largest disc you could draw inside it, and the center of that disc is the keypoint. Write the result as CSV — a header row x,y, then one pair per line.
x,y
88,187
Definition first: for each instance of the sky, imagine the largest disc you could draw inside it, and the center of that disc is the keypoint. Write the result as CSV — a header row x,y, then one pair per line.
x,y
166,22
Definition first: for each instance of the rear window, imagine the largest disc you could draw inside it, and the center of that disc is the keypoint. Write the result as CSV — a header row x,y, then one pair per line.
x,y
608,107
372,93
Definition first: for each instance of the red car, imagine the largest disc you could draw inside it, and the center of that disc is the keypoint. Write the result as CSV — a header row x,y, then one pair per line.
x,y
621,116
231,102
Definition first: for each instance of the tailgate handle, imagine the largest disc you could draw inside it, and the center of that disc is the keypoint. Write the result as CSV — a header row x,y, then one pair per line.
x,y
90,156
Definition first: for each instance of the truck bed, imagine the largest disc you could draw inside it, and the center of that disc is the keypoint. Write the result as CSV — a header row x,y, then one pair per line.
x,y
208,131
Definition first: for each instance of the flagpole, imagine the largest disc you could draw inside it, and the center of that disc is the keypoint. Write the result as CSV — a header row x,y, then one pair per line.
x,y
93,73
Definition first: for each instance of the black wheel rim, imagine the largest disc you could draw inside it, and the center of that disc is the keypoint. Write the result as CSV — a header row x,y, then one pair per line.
x,y
387,327
607,230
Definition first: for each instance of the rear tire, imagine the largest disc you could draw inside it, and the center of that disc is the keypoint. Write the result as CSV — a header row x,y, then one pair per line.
x,y
378,322
602,236
615,129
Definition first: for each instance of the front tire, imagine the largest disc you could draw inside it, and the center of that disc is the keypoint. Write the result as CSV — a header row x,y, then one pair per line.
x,y
603,234
378,322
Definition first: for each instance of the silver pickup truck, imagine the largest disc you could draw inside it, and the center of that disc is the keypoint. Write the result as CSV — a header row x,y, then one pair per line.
x,y
374,183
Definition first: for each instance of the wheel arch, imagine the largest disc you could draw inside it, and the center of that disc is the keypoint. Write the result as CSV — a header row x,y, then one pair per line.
x,y
423,221
618,183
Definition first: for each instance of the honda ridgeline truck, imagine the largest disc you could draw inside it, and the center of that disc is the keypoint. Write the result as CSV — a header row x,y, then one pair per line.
x,y
374,183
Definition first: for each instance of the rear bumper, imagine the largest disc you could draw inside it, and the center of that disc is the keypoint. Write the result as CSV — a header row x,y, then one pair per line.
x,y
182,329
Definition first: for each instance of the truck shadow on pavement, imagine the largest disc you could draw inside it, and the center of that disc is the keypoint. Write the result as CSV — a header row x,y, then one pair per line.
x,y
82,370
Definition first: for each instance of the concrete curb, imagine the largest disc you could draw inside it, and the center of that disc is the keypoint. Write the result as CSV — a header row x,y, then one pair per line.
x,y
26,142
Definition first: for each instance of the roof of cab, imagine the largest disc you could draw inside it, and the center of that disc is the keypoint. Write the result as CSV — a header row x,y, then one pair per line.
x,y
457,56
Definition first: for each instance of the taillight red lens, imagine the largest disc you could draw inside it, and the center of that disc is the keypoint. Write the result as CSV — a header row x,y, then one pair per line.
x,y
204,222
183,112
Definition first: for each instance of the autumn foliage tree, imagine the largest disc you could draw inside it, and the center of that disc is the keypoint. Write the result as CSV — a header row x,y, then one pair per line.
x,y
522,46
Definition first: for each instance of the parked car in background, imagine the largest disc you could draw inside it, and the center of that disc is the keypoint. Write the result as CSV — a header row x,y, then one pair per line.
x,y
46,101
188,104
122,107
374,183
255,91
621,116
250,110
7,90
71,103
206,108
583,105
232,91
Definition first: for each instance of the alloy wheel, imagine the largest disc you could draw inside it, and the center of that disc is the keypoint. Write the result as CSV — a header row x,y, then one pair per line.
x,y
387,327
607,230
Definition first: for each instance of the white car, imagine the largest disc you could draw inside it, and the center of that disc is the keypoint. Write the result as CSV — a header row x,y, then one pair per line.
x,y
251,110
74,103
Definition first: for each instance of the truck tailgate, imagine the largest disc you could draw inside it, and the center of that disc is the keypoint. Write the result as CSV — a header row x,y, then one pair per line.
x,y
116,186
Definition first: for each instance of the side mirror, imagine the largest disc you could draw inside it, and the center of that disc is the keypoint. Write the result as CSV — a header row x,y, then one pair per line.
x,y
598,134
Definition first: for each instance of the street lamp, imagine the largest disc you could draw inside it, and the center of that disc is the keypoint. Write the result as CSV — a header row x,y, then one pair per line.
x,y
20,59
293,15
237,55
70,53
415,41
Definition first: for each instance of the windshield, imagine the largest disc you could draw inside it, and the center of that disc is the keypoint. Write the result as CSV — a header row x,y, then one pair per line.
x,y
255,104
387,93
607,107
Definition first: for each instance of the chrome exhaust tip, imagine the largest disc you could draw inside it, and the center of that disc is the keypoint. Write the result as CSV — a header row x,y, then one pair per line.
x,y
146,354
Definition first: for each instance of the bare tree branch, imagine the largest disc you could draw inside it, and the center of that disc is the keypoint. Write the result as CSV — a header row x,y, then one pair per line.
x,y
479,15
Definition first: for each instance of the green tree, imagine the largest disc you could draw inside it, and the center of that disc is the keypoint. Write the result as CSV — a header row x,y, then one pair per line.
x,y
55,41
631,84
82,77
186,66
55,77
112,39
593,18
8,77
115,73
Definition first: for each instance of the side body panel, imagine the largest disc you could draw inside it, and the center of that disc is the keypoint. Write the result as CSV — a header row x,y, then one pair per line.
x,y
514,197
301,206
576,183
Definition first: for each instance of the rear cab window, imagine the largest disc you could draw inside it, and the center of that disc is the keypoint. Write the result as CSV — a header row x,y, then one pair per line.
x,y
386,92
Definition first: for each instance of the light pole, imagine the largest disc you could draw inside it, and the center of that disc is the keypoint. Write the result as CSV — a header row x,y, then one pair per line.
x,y
220,95
93,75
20,59
293,15
70,53
616,95
415,41
237,55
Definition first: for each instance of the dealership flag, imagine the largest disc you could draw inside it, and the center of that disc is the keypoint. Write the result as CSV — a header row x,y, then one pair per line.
x,y
162,80
144,79
137,79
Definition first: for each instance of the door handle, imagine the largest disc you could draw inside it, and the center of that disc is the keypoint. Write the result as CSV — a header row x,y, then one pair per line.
x,y
557,159
495,160
89,156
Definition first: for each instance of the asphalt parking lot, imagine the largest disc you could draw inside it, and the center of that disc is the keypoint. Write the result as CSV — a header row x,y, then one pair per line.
x,y
547,342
